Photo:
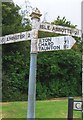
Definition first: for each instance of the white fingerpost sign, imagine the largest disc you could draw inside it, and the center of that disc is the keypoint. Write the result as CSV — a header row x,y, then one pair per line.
x,y
55,43
60,29
23,36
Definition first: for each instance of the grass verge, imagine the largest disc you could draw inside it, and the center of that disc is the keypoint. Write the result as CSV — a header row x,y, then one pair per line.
x,y
44,109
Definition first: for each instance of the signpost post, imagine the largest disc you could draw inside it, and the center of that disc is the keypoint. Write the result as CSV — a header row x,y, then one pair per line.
x,y
35,16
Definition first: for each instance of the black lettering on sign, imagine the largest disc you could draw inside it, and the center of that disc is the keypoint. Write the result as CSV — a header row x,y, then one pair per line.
x,y
66,43
22,36
48,27
42,27
14,37
53,29
46,44
28,34
3,40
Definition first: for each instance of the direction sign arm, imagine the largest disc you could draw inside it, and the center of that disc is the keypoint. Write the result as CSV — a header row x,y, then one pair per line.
x,y
23,36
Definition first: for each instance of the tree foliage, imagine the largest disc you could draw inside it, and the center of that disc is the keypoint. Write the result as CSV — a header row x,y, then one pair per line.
x,y
58,72
12,20
15,55
63,22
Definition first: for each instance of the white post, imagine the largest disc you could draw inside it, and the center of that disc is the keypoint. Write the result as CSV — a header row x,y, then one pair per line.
x,y
35,16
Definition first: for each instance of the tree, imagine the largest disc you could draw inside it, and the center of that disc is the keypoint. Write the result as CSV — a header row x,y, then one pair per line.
x,y
58,73
11,19
15,66
63,22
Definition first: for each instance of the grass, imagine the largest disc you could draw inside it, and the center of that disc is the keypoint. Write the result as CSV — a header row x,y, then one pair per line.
x,y
44,109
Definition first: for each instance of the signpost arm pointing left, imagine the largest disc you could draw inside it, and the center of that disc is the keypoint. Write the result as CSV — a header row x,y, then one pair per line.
x,y
35,16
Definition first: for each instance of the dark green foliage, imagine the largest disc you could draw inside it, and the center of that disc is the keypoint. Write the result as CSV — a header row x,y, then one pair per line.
x,y
63,22
16,73
58,73
12,20
15,56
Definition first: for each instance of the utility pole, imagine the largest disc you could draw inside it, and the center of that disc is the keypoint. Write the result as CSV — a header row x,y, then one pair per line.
x,y
35,16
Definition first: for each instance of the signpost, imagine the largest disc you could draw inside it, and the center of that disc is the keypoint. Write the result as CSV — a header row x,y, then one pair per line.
x,y
55,43
43,44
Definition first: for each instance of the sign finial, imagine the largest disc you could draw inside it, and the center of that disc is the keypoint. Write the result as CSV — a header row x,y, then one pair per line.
x,y
35,13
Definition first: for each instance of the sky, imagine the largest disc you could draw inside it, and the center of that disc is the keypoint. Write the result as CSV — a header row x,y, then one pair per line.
x,y
51,9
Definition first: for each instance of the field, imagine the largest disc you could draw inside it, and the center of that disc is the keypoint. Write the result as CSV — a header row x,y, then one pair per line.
x,y
56,108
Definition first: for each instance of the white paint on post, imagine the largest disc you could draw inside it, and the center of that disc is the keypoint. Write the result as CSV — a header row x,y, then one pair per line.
x,y
35,27
55,43
34,41
35,16
60,29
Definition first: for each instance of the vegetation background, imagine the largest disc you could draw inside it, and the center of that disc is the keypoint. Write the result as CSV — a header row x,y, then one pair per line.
x,y
58,72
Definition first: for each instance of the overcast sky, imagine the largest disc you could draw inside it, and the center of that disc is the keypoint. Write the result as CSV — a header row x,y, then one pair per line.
x,y
71,9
